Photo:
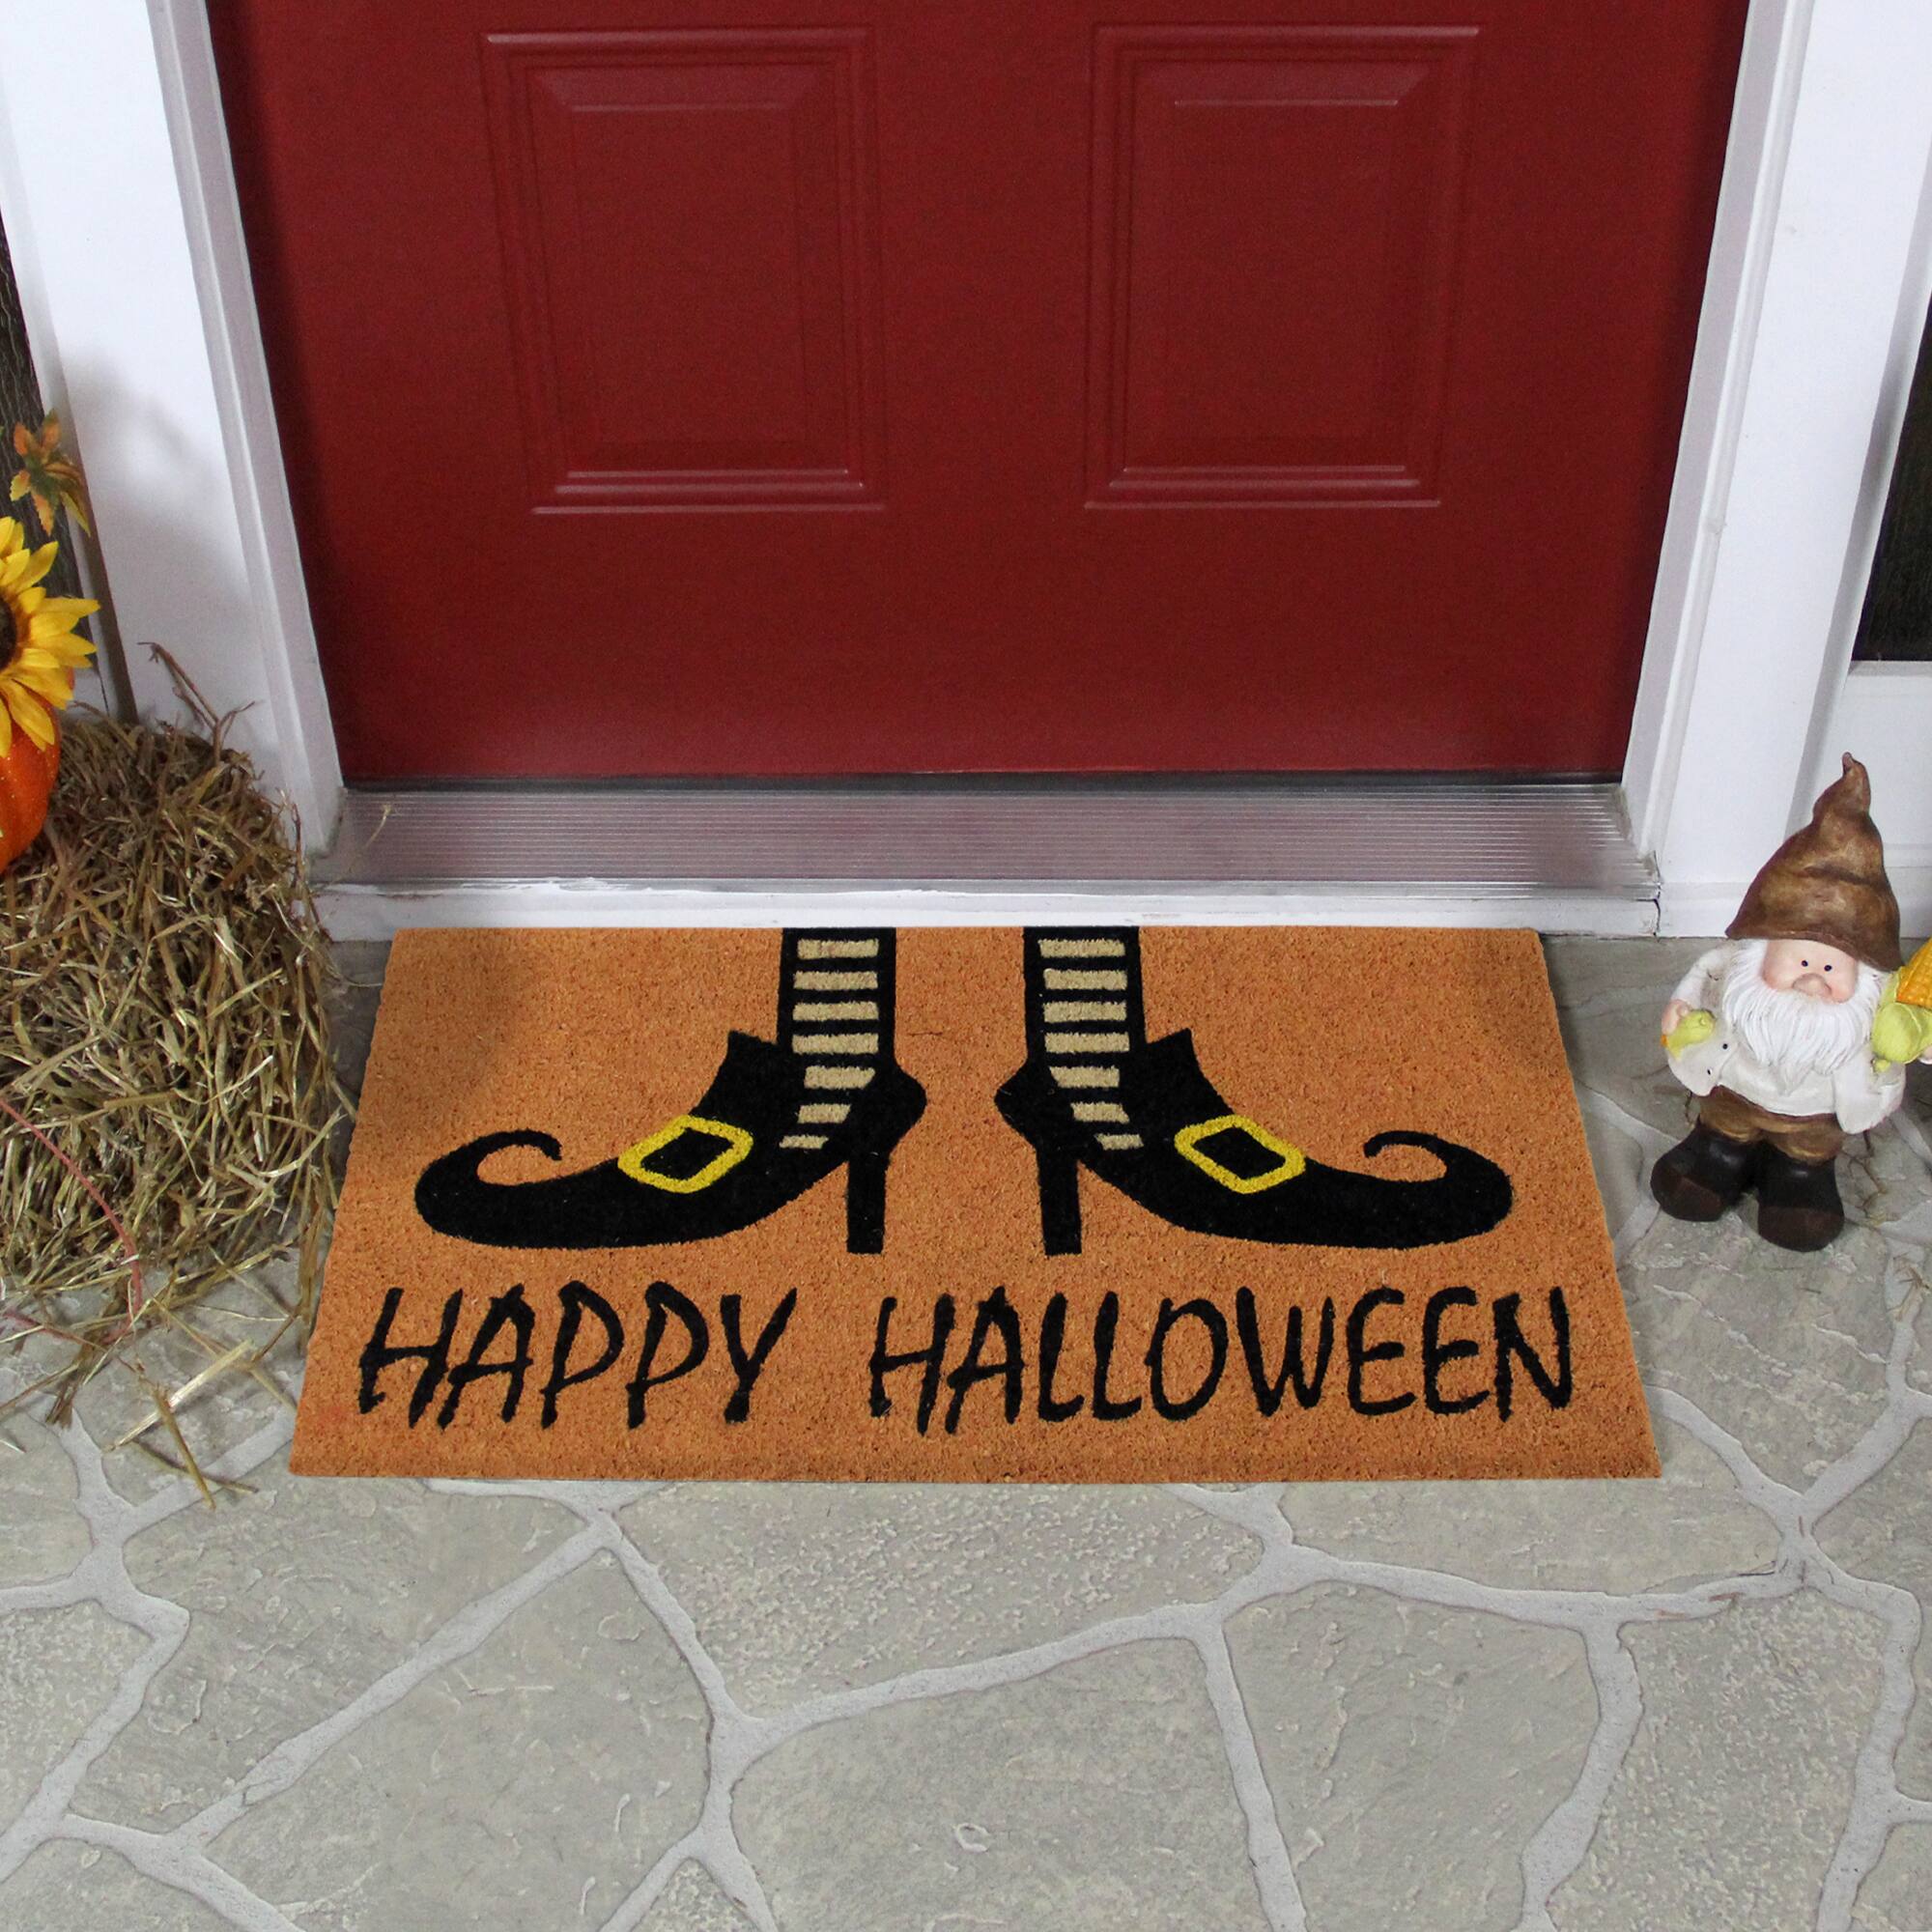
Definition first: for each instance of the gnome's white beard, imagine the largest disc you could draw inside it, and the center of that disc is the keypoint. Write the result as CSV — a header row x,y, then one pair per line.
x,y
1792,1032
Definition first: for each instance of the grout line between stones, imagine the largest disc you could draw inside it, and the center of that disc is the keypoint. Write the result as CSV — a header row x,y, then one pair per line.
x,y
1268,1849
1558,1846
464,1633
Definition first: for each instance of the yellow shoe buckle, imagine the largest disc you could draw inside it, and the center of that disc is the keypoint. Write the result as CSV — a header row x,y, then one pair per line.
x,y
632,1160
1292,1160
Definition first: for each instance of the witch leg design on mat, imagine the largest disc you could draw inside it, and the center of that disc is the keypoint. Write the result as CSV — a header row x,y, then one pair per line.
x,y
1096,1094
776,1119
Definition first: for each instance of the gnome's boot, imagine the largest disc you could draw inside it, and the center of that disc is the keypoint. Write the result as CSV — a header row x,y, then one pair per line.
x,y
1798,1203
1702,1175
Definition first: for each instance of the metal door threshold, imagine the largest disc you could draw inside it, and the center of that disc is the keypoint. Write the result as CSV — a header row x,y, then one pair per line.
x,y
1378,851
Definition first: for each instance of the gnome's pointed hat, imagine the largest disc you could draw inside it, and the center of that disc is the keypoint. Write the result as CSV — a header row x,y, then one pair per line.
x,y
1826,881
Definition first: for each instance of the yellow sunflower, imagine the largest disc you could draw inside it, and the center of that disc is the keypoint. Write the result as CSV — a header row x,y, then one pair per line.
x,y
39,650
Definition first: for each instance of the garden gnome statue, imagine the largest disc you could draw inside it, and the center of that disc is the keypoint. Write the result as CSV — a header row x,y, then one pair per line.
x,y
1774,1030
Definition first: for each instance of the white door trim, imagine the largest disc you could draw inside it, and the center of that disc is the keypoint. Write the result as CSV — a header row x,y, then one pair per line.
x,y
1763,122
1884,710
304,732
1769,542
120,189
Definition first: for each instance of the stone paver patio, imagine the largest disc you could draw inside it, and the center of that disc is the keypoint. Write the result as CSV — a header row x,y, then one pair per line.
x,y
1702,1703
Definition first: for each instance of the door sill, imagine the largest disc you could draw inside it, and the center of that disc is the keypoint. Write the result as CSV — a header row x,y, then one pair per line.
x,y
1367,852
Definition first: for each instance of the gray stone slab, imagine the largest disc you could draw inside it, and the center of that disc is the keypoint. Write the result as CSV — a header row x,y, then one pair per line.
x,y
1896,1896
1918,1094
300,1594
1610,999
1785,1352
530,1783
799,1588
59,1670
1412,1752
1095,1797
40,1534
1731,1800
352,1003
1886,1184
1883,1530
66,1887
1622,1167
220,1416
1585,972
1620,1537
692,1903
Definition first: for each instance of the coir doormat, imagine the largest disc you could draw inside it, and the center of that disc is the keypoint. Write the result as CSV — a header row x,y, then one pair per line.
x,y
1057,1205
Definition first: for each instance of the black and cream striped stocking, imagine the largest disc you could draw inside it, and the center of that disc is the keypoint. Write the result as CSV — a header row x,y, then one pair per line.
x,y
1083,1017
835,1012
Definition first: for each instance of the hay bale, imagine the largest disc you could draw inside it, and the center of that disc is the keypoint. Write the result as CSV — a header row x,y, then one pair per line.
x,y
163,1023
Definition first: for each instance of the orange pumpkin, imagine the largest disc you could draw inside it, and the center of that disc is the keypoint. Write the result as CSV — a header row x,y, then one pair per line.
x,y
26,778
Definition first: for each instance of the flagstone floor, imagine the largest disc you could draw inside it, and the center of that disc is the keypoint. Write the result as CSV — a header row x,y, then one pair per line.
x,y
1704,1703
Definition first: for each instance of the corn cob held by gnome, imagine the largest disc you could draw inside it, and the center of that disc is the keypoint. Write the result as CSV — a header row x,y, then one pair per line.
x,y
1902,1029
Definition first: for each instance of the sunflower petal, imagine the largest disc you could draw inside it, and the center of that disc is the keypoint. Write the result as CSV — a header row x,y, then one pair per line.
x,y
6,732
61,664
36,627
65,612
63,647
33,718
68,652
55,686
43,561
9,536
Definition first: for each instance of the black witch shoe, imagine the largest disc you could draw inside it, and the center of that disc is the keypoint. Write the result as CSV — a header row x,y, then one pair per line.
x,y
775,1121
1141,1114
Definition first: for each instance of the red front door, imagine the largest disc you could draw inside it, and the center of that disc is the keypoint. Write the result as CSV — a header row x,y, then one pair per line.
x,y
677,386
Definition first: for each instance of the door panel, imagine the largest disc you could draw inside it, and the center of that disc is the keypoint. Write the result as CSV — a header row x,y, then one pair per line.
x,y
1274,227
693,264
888,386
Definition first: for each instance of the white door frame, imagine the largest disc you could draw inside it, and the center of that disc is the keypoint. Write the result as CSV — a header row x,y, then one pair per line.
x,y
1817,293
1884,710
118,201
